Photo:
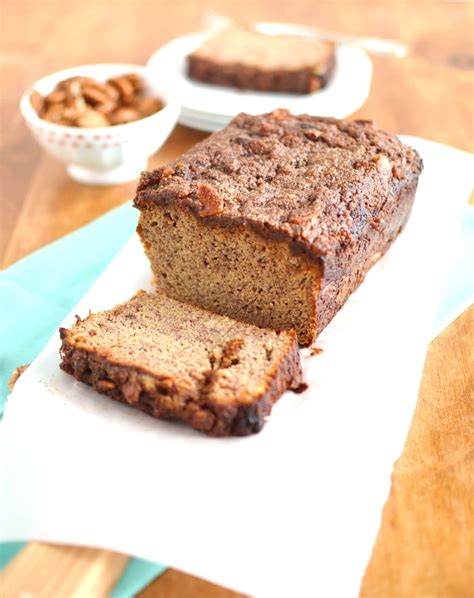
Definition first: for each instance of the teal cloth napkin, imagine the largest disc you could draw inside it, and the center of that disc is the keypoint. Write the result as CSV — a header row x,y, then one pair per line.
x,y
39,291
137,574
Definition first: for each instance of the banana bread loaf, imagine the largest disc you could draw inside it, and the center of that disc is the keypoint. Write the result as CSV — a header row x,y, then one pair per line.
x,y
249,60
175,361
277,218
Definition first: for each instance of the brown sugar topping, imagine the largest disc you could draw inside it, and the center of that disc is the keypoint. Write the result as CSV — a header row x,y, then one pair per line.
x,y
316,182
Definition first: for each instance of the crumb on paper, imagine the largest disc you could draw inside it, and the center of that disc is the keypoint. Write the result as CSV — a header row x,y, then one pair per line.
x,y
17,372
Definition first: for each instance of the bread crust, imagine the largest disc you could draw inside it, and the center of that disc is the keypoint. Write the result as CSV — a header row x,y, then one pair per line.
x,y
242,76
339,281
170,399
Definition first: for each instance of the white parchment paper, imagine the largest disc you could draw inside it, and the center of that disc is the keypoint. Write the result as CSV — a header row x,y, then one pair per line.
x,y
292,511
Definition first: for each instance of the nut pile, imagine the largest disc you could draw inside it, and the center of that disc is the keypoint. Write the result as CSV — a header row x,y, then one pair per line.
x,y
85,102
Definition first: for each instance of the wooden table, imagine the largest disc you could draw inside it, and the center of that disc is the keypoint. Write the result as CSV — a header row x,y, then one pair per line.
x,y
424,547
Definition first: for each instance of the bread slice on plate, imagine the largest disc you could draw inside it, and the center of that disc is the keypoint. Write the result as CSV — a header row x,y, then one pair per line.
x,y
176,361
246,59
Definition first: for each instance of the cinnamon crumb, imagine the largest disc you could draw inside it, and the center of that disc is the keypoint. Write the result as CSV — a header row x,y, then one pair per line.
x,y
211,202
301,388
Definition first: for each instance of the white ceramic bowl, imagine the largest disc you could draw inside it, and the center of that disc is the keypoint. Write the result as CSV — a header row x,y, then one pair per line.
x,y
106,155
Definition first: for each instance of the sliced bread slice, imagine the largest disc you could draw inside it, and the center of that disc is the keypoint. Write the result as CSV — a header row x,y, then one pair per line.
x,y
177,361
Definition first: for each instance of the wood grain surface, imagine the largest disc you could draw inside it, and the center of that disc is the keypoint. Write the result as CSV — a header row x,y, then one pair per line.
x,y
425,544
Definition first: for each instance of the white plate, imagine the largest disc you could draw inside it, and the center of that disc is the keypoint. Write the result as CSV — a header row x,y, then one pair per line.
x,y
202,122
281,513
347,90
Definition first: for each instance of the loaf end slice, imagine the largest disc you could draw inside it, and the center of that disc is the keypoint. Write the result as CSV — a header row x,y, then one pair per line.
x,y
179,362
